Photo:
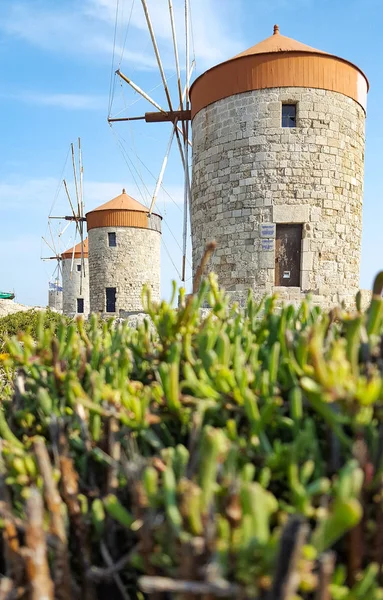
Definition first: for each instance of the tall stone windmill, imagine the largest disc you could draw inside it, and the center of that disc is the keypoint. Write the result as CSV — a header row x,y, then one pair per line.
x,y
278,137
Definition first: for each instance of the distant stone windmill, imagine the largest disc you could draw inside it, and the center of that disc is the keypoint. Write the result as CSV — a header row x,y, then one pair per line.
x,y
69,290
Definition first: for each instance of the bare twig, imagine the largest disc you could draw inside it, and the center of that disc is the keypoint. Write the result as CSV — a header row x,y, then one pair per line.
x,y
187,568
15,593
326,570
19,390
37,563
21,526
150,585
115,453
100,574
62,575
209,249
69,485
6,587
14,560
51,495
117,579
286,578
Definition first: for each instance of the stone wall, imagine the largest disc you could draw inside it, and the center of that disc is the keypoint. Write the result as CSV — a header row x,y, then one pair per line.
x,y
72,286
294,297
248,171
55,300
133,262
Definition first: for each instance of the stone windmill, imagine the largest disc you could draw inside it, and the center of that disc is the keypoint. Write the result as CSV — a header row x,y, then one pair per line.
x,y
278,138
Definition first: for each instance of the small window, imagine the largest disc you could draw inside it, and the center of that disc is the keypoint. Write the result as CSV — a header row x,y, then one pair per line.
x,y
110,296
80,305
79,268
112,239
289,115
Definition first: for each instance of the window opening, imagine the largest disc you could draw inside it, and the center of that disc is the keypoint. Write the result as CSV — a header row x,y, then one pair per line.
x,y
110,294
79,268
112,239
80,305
288,245
289,115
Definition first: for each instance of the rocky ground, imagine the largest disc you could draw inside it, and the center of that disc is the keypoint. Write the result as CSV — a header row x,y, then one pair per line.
x,y
8,307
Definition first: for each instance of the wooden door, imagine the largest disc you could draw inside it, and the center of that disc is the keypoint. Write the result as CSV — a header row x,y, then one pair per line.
x,y
288,255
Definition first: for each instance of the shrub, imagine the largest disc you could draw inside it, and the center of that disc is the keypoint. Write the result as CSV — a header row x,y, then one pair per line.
x,y
232,456
24,321
27,321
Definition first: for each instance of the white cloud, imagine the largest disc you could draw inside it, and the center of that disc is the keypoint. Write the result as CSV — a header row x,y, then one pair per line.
x,y
65,101
27,194
86,29
213,25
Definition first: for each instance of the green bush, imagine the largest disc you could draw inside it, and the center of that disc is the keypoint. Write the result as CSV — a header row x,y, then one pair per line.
x,y
172,456
26,321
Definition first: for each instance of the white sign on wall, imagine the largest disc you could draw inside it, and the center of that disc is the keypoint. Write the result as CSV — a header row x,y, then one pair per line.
x,y
267,230
267,245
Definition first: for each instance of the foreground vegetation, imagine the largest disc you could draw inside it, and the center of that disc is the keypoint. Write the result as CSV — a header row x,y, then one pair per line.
x,y
238,456
27,320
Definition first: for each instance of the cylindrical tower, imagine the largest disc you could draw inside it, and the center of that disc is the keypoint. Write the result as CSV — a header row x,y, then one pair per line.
x,y
124,255
55,296
75,277
278,166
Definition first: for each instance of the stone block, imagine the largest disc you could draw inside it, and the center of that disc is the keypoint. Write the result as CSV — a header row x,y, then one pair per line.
x,y
305,281
315,213
291,213
266,260
307,261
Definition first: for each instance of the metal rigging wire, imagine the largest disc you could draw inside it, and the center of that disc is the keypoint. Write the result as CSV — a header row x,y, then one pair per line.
x,y
127,159
175,239
147,169
192,29
126,34
111,86
130,128
59,185
170,258
119,139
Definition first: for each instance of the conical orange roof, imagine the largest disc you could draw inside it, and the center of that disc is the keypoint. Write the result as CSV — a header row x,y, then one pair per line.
x,y
278,43
122,202
278,62
122,211
77,251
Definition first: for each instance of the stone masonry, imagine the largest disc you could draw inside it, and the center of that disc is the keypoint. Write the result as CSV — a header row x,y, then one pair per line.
x,y
248,171
55,300
133,262
72,286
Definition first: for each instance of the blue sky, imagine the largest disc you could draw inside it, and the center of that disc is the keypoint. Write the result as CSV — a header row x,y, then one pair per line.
x,y
55,62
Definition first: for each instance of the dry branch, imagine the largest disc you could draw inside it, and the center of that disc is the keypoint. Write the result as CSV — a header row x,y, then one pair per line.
x,y
62,574
209,249
150,585
13,559
286,577
69,484
37,564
